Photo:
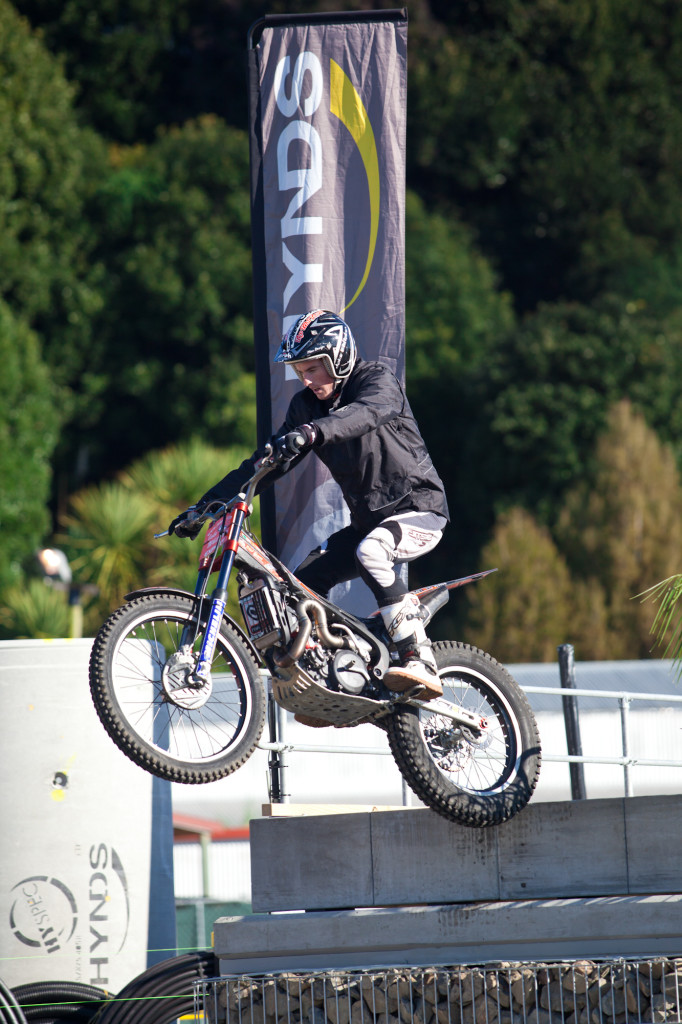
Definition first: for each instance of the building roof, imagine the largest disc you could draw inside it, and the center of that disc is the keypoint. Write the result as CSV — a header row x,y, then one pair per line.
x,y
653,676
187,828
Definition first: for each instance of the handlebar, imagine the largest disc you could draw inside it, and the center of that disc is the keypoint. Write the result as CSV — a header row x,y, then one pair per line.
x,y
215,509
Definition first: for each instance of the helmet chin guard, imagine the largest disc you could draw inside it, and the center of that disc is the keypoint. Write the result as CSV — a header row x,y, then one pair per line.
x,y
323,335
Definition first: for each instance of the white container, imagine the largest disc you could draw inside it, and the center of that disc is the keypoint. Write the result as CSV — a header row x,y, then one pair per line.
x,y
75,828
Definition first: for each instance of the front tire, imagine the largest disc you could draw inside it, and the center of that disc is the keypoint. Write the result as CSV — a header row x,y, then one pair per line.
x,y
182,733
476,780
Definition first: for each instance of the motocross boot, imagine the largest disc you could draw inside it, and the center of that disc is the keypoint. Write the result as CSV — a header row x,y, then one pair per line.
x,y
416,668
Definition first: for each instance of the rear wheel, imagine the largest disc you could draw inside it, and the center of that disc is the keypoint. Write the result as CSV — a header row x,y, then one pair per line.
x,y
144,692
475,777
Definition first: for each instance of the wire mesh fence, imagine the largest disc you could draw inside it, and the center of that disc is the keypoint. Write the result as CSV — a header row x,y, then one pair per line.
x,y
576,992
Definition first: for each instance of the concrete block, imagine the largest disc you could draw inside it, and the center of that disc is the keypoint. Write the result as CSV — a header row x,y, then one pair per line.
x,y
653,827
328,862
422,858
570,848
386,858
601,927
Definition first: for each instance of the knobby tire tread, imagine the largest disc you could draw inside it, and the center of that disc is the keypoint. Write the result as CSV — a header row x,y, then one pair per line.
x,y
104,705
421,774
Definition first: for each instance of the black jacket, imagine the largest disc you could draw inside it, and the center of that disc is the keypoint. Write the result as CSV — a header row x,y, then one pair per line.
x,y
369,441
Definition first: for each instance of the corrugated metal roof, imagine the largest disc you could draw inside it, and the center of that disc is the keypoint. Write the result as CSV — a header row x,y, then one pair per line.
x,y
655,676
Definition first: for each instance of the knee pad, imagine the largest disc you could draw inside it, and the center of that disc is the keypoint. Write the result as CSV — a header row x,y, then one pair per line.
x,y
376,554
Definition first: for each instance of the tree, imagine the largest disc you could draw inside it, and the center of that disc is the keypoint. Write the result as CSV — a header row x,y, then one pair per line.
x,y
556,129
621,528
454,317
173,350
48,167
119,51
531,606
544,396
29,424
108,533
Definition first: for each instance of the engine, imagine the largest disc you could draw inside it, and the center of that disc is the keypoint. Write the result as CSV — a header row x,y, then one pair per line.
x,y
343,669
337,658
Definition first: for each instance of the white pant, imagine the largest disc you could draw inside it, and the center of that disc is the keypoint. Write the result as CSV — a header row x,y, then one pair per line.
x,y
400,538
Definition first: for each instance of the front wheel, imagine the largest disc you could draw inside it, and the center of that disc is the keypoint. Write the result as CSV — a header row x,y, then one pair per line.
x,y
476,778
153,707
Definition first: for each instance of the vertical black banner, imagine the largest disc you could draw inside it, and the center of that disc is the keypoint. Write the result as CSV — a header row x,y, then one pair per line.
x,y
327,98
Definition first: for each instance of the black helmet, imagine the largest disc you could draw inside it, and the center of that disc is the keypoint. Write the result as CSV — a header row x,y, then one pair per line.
x,y
320,335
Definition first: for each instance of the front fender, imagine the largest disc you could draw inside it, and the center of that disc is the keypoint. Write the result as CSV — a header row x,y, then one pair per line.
x,y
178,592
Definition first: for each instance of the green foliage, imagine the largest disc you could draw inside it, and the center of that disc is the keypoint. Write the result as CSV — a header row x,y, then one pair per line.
x,y
542,266
109,531
118,52
34,612
48,164
522,612
666,627
546,391
455,316
454,311
556,127
29,422
621,528
174,340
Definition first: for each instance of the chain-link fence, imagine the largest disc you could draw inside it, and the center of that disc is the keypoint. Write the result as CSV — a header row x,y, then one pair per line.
x,y
577,992
195,920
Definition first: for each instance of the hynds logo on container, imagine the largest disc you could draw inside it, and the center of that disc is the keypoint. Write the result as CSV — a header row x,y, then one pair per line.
x,y
109,910
43,914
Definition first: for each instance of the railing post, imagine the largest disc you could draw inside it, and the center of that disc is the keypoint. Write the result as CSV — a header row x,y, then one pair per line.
x,y
571,723
625,733
282,729
274,761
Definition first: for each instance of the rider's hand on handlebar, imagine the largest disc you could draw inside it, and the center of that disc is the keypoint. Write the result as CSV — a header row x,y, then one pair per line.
x,y
288,446
186,525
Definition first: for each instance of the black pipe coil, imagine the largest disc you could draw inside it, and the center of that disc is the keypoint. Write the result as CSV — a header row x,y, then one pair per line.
x,y
10,1011
49,1002
160,994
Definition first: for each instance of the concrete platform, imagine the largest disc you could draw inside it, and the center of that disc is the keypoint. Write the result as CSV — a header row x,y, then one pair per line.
x,y
606,927
569,849
593,878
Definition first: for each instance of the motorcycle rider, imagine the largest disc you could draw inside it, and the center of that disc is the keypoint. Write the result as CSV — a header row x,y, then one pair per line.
x,y
355,417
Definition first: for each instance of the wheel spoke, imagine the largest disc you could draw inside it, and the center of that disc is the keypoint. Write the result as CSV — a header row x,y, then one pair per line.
x,y
476,763
152,704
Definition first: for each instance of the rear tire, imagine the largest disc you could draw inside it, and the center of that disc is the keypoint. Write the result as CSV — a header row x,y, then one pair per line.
x,y
175,732
476,781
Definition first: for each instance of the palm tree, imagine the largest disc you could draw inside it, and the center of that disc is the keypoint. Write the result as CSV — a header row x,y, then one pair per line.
x,y
667,625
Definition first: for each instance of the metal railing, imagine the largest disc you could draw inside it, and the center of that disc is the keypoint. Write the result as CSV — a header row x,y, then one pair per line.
x,y
278,744
625,699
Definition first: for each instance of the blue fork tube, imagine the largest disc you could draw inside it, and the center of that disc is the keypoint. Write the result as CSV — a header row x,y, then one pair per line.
x,y
219,595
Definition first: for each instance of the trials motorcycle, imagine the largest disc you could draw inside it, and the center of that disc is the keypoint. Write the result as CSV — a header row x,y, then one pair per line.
x,y
179,686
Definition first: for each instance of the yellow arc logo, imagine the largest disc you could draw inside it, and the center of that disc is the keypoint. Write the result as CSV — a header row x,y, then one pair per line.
x,y
345,103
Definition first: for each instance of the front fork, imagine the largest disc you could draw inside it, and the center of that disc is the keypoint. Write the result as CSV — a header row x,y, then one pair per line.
x,y
219,596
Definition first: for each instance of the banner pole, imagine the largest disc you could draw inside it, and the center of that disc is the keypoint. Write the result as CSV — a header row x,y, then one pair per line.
x,y
259,292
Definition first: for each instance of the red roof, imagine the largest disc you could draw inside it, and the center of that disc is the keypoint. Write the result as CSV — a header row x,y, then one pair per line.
x,y
187,829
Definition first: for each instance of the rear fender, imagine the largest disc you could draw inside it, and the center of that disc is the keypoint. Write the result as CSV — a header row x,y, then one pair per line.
x,y
177,592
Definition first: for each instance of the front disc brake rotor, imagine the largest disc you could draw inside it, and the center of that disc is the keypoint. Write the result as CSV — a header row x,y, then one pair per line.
x,y
180,684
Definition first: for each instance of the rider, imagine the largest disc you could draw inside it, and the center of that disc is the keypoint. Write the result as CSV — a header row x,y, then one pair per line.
x,y
354,415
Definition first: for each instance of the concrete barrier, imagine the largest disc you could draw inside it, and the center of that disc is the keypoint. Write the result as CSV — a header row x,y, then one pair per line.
x,y
566,849
598,878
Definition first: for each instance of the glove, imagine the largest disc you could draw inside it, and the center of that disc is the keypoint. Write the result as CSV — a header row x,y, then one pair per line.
x,y
288,446
185,524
